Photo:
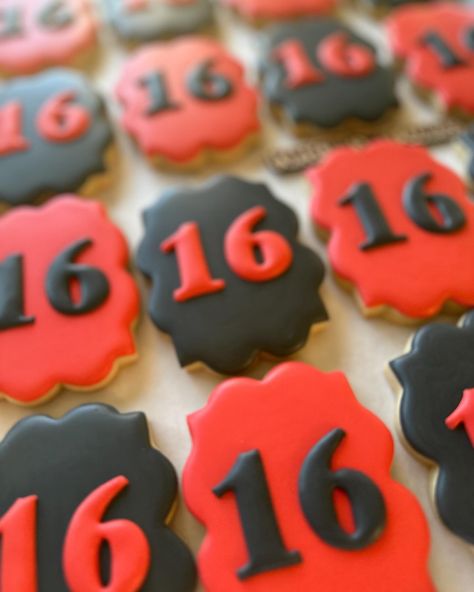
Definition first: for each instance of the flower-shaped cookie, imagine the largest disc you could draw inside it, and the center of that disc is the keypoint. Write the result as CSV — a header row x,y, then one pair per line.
x,y
86,499
400,226
35,34
67,301
436,415
187,99
291,478
437,43
229,278
54,136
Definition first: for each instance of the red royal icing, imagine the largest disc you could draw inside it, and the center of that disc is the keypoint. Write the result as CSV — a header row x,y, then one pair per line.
x,y
464,414
37,46
407,28
421,272
191,124
283,417
345,59
55,348
280,9
62,121
18,538
129,548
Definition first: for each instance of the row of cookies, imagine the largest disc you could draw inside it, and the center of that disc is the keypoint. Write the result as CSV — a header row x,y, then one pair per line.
x,y
187,100
299,489
42,33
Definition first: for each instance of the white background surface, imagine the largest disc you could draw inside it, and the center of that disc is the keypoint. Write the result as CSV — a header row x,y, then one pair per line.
x,y
167,394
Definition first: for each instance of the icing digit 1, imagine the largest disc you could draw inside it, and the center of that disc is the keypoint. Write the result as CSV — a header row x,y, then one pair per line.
x,y
301,487
18,539
446,56
464,414
195,276
156,85
265,546
129,548
298,67
12,294
223,261
11,139
344,59
376,225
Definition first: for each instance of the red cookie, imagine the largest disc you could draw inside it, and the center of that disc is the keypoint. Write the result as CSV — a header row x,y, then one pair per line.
x,y
437,43
257,10
67,302
186,100
401,228
291,478
40,33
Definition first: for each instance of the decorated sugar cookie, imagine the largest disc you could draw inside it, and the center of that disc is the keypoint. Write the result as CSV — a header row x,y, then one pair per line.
x,y
187,100
67,301
35,34
465,146
436,415
291,478
437,43
229,278
146,20
318,73
87,500
264,10
400,227
54,136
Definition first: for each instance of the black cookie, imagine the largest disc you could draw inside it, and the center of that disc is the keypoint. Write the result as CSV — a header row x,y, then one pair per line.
x,y
146,20
434,375
54,135
236,297
93,452
321,73
467,143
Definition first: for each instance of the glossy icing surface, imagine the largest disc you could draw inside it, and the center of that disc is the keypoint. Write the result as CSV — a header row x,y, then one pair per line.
x,y
167,117
40,33
154,19
79,306
280,9
320,72
273,313
87,451
412,271
436,415
289,419
436,41
64,130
